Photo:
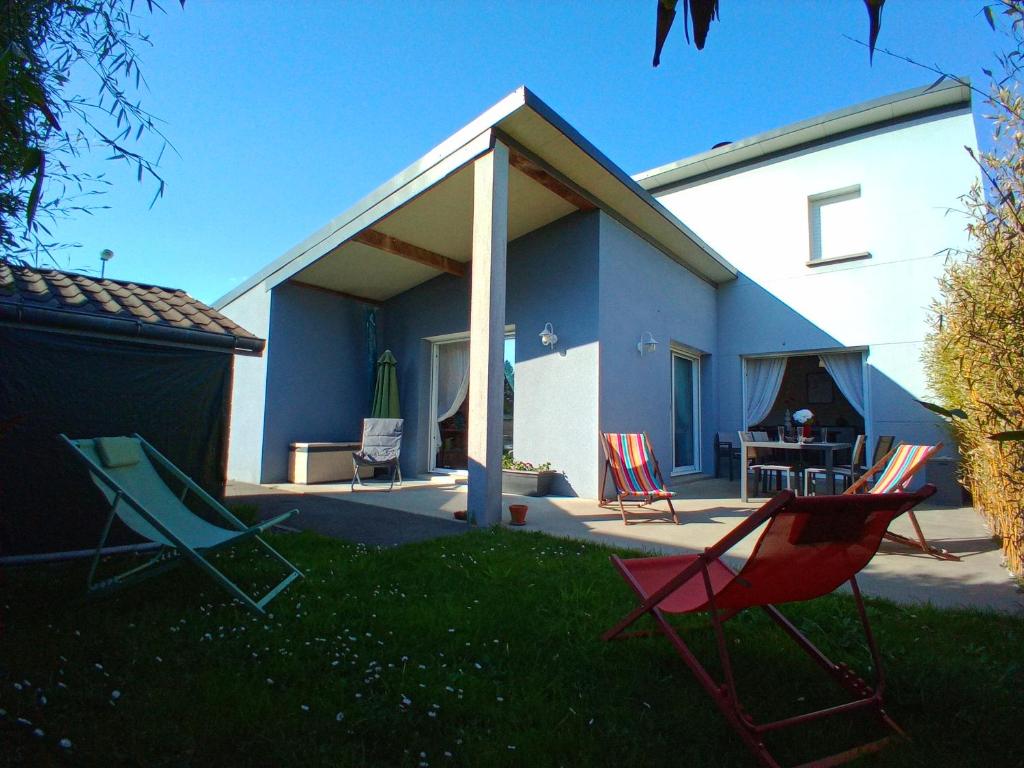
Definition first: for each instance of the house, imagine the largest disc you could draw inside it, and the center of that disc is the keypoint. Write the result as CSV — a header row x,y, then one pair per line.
x,y
87,356
804,273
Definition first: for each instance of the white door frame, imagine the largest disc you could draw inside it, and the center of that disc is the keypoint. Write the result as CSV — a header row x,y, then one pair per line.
x,y
435,342
696,405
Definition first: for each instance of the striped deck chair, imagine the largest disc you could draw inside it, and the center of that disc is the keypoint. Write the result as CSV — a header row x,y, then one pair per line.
x,y
629,459
896,469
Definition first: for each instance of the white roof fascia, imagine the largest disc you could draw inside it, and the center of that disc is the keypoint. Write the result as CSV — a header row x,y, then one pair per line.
x,y
546,112
858,118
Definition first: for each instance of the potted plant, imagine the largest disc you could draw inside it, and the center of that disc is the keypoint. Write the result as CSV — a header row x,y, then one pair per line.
x,y
524,478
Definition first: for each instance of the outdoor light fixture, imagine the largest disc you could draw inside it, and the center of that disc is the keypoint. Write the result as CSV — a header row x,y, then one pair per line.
x,y
646,344
548,337
105,255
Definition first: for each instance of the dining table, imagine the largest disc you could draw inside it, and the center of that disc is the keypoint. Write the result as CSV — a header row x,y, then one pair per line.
x,y
827,450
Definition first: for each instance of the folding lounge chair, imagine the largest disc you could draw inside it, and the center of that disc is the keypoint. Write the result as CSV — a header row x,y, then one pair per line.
x,y
629,459
809,547
897,467
125,470
382,447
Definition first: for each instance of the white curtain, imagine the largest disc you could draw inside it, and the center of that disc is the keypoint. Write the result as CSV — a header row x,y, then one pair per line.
x,y
847,371
763,379
452,382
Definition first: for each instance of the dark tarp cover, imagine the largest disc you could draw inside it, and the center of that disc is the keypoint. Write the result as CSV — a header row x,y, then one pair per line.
x,y
176,398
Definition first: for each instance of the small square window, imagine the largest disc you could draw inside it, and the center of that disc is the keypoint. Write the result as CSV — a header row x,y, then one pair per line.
x,y
837,226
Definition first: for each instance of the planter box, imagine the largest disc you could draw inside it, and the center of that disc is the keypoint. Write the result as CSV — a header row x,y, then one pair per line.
x,y
525,483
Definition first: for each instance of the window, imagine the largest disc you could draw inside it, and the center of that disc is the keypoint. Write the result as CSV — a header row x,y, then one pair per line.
x,y
837,226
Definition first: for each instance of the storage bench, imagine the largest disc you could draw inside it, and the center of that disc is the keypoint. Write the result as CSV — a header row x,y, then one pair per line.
x,y
323,463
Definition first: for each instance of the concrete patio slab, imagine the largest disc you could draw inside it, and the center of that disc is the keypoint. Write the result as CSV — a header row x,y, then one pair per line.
x,y
343,518
707,510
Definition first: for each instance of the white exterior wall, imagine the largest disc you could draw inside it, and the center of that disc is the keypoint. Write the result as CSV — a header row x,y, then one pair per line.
x,y
910,177
251,310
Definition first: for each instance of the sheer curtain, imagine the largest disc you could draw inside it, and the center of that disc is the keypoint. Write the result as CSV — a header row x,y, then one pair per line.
x,y
847,371
763,377
452,382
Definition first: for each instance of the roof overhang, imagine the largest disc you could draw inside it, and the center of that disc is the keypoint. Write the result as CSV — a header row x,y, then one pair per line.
x,y
419,224
943,97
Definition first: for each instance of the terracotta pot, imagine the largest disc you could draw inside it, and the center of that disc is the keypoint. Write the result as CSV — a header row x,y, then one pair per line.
x,y
518,513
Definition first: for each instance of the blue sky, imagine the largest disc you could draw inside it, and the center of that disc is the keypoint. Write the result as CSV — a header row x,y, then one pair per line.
x,y
284,114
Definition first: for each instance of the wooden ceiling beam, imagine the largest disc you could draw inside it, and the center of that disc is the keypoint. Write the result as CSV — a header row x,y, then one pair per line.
x,y
382,242
526,166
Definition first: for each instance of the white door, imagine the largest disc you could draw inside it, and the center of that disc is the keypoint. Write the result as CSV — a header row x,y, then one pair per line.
x,y
685,413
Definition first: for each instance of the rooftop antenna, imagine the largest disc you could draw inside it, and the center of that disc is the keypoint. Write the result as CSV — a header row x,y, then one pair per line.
x,y
105,255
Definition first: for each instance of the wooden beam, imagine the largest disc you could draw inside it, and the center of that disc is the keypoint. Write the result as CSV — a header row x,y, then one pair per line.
x,y
342,294
380,241
524,165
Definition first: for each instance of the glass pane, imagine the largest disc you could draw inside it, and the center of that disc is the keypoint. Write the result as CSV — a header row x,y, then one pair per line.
x,y
682,382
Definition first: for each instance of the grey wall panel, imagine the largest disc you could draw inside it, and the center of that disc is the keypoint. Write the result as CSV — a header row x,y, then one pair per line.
x,y
642,291
552,277
317,373
248,394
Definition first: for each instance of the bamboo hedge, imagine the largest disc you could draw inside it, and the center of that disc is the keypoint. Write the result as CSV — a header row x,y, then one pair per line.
x,y
975,354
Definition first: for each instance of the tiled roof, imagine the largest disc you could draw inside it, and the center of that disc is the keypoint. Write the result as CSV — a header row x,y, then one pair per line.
x,y
67,300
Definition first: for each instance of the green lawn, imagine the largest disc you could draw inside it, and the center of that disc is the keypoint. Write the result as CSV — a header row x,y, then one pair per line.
x,y
478,650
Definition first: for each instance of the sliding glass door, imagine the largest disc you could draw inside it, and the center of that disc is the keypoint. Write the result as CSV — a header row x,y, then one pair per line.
x,y
685,413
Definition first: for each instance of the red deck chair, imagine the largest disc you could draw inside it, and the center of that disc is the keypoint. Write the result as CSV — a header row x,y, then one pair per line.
x,y
809,547
629,459
897,467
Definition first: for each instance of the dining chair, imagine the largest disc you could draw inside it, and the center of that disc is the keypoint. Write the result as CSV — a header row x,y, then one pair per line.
x,y
764,465
845,472
724,449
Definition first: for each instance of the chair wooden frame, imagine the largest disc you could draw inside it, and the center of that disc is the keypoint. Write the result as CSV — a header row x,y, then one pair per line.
x,y
698,570
920,543
624,496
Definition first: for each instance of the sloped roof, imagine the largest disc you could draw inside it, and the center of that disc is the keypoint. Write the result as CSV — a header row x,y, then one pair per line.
x,y
429,206
894,109
68,301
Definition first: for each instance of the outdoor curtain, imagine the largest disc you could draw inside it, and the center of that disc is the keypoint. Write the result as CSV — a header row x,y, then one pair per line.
x,y
763,379
847,371
452,382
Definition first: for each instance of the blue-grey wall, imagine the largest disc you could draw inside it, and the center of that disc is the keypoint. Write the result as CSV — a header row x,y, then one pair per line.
x,y
551,278
251,310
436,308
643,291
317,373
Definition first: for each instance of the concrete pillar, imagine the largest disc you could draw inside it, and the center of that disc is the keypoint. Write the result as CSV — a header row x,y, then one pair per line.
x,y
487,334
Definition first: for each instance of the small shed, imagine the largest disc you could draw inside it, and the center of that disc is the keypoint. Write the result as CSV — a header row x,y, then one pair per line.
x,y
89,357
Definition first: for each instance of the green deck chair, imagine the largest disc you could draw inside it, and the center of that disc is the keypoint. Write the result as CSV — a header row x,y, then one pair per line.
x,y
123,468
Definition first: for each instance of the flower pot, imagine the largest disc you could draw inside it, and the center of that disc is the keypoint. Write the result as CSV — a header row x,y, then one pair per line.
x,y
518,513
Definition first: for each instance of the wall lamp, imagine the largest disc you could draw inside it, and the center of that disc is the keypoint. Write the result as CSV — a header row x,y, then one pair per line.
x,y
647,344
548,337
